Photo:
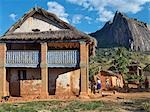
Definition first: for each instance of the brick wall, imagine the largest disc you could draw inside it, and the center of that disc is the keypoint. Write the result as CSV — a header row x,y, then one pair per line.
x,y
64,81
30,86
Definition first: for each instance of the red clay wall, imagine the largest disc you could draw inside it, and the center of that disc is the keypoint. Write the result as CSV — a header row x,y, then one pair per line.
x,y
112,79
30,86
64,81
61,82
103,81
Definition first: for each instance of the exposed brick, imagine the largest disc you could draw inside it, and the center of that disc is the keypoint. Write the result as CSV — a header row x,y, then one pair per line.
x,y
30,87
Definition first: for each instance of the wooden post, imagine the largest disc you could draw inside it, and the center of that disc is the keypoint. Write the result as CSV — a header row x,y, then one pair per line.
x,y
44,70
84,69
3,82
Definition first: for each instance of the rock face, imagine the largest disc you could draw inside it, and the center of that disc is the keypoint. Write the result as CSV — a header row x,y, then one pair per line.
x,y
124,31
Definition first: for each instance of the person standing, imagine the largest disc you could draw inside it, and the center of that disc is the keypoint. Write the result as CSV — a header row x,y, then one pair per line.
x,y
107,84
93,86
98,85
146,83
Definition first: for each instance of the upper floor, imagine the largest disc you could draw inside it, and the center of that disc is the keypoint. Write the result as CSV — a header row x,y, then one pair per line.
x,y
40,38
58,54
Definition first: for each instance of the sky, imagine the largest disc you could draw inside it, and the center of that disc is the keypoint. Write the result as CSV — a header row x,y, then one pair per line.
x,y
86,15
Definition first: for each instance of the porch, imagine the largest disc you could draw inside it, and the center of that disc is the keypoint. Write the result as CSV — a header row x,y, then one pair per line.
x,y
67,64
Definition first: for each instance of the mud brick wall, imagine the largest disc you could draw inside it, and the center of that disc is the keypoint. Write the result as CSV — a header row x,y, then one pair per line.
x,y
112,80
64,81
103,79
30,86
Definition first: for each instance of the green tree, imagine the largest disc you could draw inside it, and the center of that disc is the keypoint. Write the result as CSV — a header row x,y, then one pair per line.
x,y
121,62
93,66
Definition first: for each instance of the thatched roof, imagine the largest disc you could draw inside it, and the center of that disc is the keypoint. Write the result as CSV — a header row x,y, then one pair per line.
x,y
67,33
51,35
108,73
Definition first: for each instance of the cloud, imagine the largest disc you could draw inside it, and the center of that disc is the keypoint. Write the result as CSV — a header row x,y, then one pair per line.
x,y
77,18
105,15
58,9
13,16
104,7
132,6
89,19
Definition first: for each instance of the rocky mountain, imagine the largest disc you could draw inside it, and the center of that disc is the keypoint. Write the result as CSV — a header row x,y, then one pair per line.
x,y
124,31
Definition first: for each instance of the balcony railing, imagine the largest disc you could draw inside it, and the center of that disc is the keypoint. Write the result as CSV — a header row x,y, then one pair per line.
x,y
22,58
63,58
55,58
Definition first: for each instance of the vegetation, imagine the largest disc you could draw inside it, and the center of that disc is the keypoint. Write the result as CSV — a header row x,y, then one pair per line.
x,y
121,62
146,106
77,106
147,68
118,59
52,106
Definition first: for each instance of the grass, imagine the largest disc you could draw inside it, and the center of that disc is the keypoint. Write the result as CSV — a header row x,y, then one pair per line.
x,y
76,106
52,106
137,105
146,106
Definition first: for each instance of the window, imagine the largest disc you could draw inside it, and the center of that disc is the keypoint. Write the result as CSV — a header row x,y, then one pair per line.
x,y
22,75
36,30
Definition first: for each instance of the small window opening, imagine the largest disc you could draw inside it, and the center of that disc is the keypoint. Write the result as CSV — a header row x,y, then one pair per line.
x,y
35,30
22,74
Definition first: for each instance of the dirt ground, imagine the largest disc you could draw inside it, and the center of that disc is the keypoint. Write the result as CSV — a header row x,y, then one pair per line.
x,y
91,97
136,95
118,102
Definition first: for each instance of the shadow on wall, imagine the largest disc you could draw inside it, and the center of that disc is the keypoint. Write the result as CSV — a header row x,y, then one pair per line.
x,y
14,86
52,84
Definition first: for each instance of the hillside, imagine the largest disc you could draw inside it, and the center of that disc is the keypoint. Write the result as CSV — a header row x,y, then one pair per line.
x,y
124,31
105,58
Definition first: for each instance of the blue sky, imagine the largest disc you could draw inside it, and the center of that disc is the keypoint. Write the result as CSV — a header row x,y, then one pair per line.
x,y
86,15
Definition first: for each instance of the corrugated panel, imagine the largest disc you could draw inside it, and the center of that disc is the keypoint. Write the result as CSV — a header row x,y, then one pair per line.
x,y
22,58
63,58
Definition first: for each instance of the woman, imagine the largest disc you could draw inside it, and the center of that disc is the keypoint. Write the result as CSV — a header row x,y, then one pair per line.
x,y
98,85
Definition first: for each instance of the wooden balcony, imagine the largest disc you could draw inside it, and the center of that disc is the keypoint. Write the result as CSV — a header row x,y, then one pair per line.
x,y
16,58
63,58
31,58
